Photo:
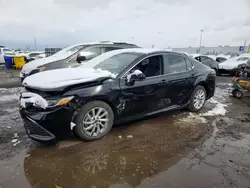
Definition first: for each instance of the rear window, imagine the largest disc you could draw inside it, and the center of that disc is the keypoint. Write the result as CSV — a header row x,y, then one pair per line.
x,y
176,64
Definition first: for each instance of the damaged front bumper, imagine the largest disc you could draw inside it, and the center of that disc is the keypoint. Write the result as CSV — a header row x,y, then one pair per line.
x,y
46,125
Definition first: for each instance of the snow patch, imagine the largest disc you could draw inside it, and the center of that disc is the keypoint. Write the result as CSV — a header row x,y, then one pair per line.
x,y
9,97
219,109
9,94
193,118
33,98
64,77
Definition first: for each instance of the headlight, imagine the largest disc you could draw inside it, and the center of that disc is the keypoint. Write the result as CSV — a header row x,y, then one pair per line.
x,y
59,102
41,69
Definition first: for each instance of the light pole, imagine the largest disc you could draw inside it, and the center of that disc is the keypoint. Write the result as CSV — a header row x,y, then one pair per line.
x,y
200,40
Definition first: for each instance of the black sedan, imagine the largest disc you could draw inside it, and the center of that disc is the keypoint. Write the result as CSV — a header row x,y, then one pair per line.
x,y
114,87
207,61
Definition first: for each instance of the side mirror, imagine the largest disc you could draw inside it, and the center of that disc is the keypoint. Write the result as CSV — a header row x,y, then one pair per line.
x,y
80,58
135,76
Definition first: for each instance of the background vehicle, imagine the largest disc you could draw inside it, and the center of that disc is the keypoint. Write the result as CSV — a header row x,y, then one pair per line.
x,y
240,87
234,65
5,51
207,61
35,55
221,58
117,86
71,56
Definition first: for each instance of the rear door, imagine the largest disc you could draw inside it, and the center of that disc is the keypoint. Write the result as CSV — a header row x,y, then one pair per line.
x,y
181,77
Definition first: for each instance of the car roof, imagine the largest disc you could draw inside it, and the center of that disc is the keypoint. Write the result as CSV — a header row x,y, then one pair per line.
x,y
195,55
142,51
101,42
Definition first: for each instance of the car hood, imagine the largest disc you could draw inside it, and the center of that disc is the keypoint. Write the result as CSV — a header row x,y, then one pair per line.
x,y
230,64
27,68
61,78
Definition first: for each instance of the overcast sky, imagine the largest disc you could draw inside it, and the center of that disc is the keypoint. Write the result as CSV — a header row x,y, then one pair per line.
x,y
174,23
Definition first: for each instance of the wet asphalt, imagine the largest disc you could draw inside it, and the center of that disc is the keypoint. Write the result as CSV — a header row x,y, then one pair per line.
x,y
175,149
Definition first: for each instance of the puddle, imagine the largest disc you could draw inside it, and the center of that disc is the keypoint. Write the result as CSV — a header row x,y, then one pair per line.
x,y
118,159
11,172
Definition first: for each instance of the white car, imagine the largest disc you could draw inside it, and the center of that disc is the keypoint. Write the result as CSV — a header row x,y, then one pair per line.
x,y
3,52
221,58
35,55
232,65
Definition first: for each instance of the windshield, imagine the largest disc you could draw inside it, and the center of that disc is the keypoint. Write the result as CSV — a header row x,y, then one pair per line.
x,y
220,59
66,52
242,58
114,64
34,54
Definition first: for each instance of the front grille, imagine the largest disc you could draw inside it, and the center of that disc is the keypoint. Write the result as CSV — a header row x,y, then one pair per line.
x,y
37,132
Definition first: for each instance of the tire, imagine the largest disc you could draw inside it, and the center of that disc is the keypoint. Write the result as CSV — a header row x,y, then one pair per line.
x,y
192,106
240,72
237,93
86,113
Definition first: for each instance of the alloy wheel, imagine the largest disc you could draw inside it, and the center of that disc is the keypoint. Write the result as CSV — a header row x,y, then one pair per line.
x,y
95,122
199,99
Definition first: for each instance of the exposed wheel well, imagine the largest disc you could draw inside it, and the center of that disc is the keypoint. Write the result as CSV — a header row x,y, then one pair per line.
x,y
106,101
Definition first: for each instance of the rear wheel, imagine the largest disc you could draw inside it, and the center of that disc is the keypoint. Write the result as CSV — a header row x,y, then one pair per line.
x,y
197,99
240,72
94,120
237,93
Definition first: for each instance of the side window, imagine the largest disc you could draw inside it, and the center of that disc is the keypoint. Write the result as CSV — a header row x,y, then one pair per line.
x,y
176,63
220,59
189,65
198,58
205,60
89,53
107,49
151,66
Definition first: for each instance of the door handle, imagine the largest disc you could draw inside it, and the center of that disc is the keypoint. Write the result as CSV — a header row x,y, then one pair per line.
x,y
163,82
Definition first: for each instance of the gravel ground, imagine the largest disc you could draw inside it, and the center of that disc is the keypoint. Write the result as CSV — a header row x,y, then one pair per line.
x,y
177,149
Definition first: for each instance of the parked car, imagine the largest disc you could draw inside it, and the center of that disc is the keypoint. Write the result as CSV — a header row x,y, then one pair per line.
x,y
207,61
221,58
71,56
35,55
5,52
234,65
114,87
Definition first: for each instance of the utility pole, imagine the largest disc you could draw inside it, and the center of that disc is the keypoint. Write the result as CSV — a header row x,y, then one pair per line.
x,y
200,40
35,42
245,42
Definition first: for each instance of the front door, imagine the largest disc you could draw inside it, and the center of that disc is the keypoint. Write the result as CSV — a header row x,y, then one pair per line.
x,y
145,96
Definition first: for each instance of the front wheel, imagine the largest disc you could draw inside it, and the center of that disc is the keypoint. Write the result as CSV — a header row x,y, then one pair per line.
x,y
94,120
197,99
237,93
